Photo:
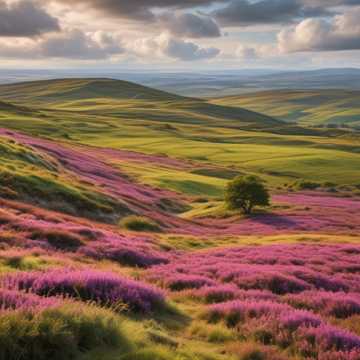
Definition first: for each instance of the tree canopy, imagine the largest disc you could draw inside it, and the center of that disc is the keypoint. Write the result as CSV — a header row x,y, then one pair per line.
x,y
246,192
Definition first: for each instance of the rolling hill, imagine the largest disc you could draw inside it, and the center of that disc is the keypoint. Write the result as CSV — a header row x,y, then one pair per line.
x,y
306,107
49,91
121,115
116,242
123,99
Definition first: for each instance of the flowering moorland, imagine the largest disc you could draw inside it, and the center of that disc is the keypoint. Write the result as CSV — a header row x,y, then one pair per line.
x,y
78,281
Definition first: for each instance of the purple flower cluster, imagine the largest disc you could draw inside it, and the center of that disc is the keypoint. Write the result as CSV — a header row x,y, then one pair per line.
x,y
17,300
104,288
280,269
283,295
337,304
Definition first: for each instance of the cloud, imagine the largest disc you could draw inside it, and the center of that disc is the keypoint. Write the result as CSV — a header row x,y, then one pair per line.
x,y
165,45
190,25
187,51
246,13
246,52
25,19
24,50
331,3
75,44
342,32
136,9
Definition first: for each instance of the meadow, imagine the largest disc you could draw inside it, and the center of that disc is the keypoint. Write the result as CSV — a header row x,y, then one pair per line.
x,y
314,107
115,242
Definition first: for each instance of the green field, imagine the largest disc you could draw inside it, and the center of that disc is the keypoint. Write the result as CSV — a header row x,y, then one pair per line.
x,y
121,115
306,107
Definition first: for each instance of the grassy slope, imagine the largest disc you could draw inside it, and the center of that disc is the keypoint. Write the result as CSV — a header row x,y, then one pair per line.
x,y
221,151
307,107
30,176
122,115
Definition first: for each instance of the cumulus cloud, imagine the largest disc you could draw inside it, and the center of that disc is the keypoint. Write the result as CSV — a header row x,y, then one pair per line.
x,y
186,50
190,25
165,45
75,44
246,12
25,19
72,44
136,9
342,32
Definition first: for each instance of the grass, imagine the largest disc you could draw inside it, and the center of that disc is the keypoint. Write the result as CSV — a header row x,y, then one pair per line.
x,y
307,107
59,333
139,223
37,178
246,142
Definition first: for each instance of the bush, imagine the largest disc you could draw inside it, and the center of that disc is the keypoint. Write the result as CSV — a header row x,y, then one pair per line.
x,y
59,239
58,333
139,223
105,288
307,185
246,192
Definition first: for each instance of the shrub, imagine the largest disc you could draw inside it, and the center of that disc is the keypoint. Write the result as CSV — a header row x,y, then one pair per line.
x,y
340,305
139,223
307,185
105,288
182,282
130,252
59,239
246,192
216,294
15,300
235,312
61,333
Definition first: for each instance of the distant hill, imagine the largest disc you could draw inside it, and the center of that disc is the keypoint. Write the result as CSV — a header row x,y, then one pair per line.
x,y
306,107
215,84
8,107
205,83
128,101
58,90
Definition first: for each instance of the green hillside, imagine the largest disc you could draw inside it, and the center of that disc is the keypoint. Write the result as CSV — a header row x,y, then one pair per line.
x,y
229,137
127,100
48,91
306,107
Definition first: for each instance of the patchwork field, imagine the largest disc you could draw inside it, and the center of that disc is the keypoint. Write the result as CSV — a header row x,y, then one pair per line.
x,y
115,242
306,107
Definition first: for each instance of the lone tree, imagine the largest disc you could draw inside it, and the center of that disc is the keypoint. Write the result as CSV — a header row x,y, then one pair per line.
x,y
246,192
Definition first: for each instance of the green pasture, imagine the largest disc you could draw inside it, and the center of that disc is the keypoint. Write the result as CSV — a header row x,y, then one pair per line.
x,y
122,115
306,107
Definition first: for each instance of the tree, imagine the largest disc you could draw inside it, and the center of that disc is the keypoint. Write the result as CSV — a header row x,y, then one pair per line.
x,y
246,192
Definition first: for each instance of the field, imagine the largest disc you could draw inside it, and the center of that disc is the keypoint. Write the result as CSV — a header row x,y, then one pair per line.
x,y
115,242
306,107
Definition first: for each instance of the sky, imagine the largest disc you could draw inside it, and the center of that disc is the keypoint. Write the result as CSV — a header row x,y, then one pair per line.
x,y
179,34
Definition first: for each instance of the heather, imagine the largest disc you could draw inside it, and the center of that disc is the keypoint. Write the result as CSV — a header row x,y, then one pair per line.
x,y
115,252
279,269
280,295
103,288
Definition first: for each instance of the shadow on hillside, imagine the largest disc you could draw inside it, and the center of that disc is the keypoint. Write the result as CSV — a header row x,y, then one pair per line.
x,y
275,220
